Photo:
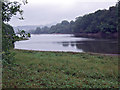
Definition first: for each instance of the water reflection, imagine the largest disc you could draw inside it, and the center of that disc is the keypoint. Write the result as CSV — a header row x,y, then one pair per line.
x,y
68,43
96,46
65,44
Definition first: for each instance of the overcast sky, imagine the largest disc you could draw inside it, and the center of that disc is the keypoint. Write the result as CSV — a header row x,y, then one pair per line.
x,y
43,12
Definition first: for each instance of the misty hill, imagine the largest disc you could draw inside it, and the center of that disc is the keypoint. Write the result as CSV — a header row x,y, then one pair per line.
x,y
31,28
27,28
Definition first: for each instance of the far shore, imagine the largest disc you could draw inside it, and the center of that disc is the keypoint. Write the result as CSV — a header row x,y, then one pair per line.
x,y
97,35
89,35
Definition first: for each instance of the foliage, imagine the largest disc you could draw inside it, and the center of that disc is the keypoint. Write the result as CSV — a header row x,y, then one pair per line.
x,y
63,27
101,21
7,43
9,9
104,21
8,39
23,34
33,69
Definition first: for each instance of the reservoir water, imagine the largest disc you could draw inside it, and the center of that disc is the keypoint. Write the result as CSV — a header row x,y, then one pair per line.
x,y
68,43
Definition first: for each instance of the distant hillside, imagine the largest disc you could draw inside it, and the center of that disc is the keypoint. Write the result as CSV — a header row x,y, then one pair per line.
x,y
31,28
27,28
101,21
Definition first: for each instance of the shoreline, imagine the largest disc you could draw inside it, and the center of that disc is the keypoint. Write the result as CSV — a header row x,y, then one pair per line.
x,y
97,35
90,35
70,52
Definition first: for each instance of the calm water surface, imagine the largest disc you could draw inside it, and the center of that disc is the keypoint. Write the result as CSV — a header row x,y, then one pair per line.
x,y
67,43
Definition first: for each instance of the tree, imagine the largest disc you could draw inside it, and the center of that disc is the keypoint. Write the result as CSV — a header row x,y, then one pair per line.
x,y
65,22
104,21
23,35
38,30
9,9
28,35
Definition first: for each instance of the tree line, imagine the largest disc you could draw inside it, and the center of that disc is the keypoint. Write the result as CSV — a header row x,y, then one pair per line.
x,y
101,21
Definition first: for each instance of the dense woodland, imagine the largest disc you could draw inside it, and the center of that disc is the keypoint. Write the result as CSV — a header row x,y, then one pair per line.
x,y
101,21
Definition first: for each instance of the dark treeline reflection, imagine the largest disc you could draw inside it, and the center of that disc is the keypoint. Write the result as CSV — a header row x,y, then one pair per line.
x,y
68,43
96,46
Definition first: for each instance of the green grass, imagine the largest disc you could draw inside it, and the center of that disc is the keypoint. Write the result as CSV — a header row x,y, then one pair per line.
x,y
61,70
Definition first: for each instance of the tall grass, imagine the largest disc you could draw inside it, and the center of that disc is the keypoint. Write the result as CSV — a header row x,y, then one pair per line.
x,y
61,70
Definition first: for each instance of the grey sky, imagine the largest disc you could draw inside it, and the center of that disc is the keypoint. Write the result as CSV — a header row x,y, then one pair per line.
x,y
43,12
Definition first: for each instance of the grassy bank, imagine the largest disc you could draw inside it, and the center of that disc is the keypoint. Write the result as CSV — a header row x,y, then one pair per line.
x,y
56,69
